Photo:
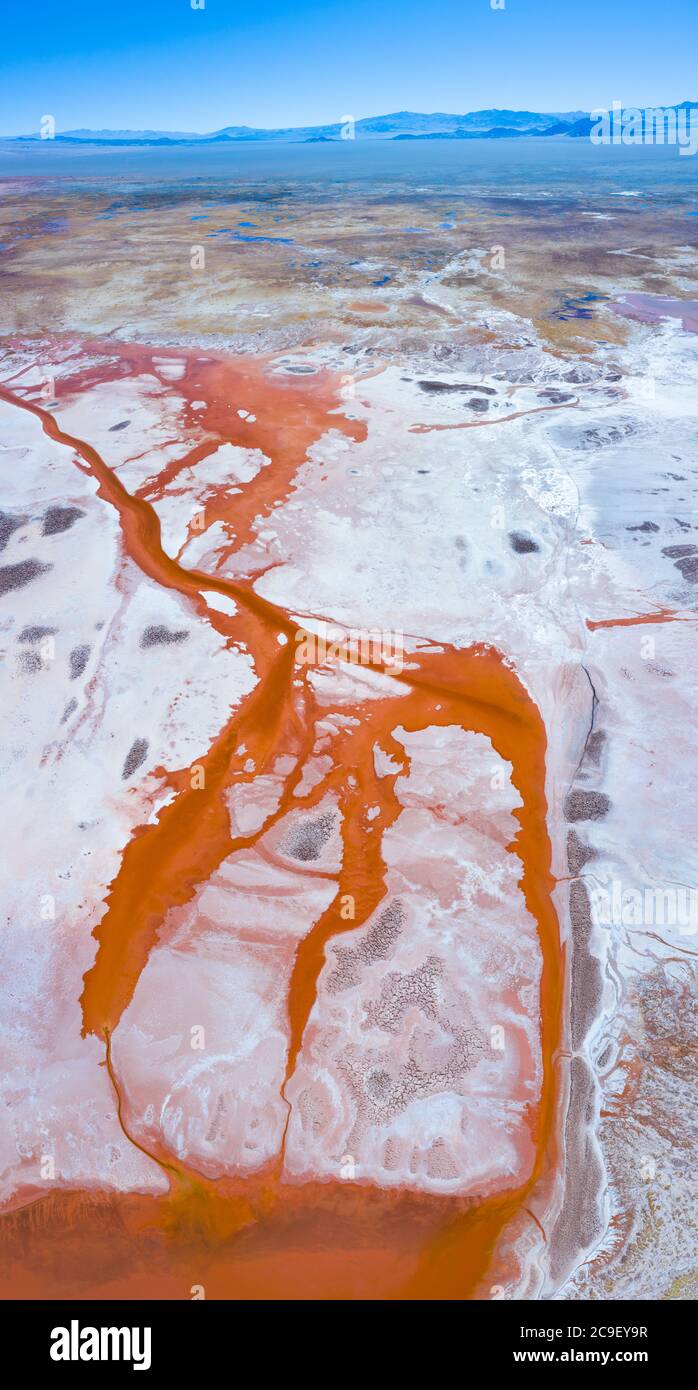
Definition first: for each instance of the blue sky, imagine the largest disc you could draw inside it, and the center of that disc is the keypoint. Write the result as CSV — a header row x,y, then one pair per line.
x,y
164,65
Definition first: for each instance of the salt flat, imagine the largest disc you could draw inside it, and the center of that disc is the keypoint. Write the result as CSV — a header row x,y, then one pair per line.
x,y
298,942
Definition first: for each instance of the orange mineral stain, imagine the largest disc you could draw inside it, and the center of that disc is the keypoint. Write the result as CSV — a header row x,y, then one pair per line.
x,y
264,1237
662,615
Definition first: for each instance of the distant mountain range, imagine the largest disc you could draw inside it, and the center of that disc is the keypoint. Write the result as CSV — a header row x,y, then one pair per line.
x,y
399,125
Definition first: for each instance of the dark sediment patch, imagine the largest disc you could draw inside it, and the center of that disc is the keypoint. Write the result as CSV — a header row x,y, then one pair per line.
x,y
158,635
644,526
581,805
579,376
607,438
586,983
677,552
122,425
375,944
688,568
69,709
578,854
30,662
307,840
595,745
478,405
8,526
444,388
135,756
579,1223
79,658
58,519
521,544
555,397
16,576
35,634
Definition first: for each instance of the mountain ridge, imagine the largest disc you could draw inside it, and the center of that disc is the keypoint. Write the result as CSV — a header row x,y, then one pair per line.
x,y
368,127
490,123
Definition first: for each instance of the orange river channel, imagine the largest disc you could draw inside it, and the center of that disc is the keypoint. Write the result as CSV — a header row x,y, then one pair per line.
x,y
262,1237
